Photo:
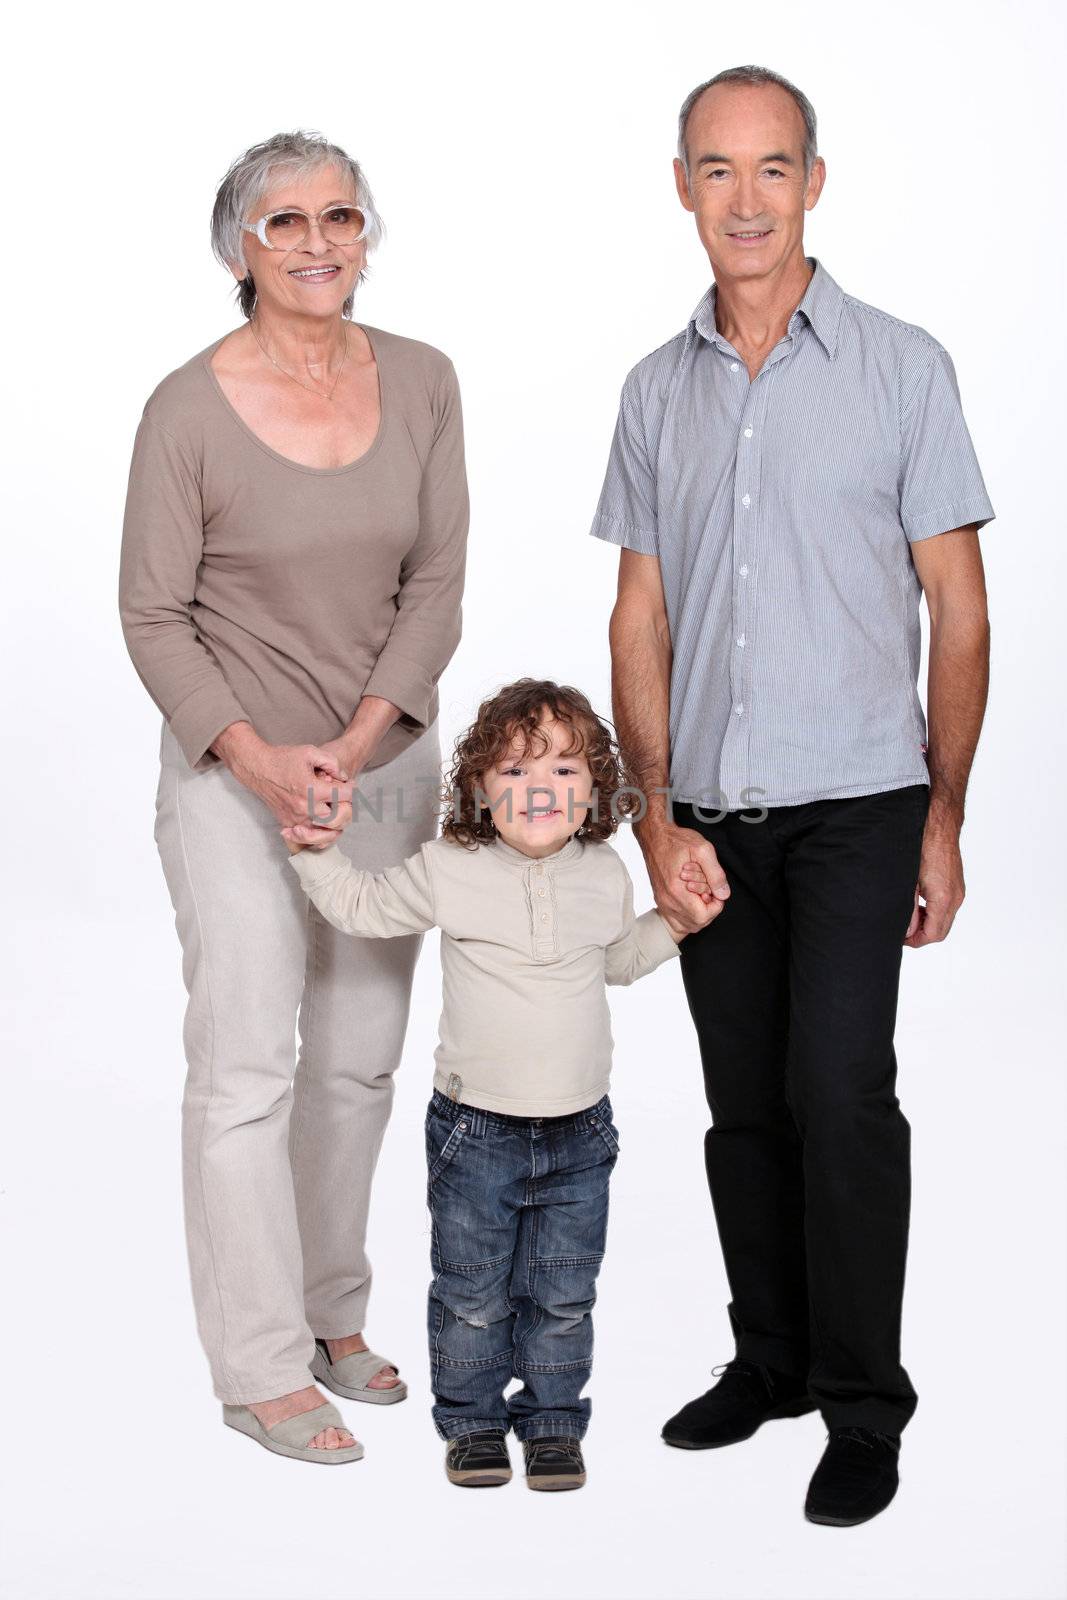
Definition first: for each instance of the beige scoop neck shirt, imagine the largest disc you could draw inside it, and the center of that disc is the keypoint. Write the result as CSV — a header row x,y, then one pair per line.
x,y
527,946
253,588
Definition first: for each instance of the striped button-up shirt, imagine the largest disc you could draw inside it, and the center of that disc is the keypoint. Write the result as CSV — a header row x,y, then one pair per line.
x,y
782,510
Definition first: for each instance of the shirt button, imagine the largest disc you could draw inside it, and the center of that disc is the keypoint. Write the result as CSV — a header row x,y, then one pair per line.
x,y
738,710
746,499
744,572
542,892
748,433
544,916
741,641
733,366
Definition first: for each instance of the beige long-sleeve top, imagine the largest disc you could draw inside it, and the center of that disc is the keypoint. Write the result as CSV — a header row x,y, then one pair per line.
x,y
252,588
527,946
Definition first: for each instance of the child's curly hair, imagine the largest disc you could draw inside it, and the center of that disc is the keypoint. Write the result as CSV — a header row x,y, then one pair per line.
x,y
518,710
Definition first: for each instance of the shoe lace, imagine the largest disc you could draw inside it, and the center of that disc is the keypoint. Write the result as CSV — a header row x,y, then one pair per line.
x,y
749,1370
477,1442
864,1436
554,1450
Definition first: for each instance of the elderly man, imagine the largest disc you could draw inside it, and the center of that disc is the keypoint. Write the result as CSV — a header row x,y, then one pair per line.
x,y
787,477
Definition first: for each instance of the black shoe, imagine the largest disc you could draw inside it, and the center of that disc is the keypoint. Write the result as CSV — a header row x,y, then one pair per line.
x,y
856,1478
554,1462
478,1460
745,1397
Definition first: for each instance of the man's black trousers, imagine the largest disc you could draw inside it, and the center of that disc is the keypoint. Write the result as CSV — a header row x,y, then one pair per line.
x,y
793,990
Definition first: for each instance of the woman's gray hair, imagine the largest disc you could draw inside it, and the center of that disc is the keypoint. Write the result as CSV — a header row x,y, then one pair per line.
x,y
756,76
250,176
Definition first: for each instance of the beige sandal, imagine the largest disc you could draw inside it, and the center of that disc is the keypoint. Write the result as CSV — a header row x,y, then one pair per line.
x,y
291,1437
350,1375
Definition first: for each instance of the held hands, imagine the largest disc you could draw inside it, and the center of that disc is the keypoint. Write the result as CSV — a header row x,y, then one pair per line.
x,y
282,774
707,907
335,771
689,884
335,811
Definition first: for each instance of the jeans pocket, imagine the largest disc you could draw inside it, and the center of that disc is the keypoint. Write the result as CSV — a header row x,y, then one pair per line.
x,y
440,1152
599,1121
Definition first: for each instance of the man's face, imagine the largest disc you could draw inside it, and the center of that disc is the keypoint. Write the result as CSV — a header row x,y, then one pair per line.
x,y
746,184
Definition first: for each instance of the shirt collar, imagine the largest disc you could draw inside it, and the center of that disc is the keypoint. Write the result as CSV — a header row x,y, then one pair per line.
x,y
820,307
566,853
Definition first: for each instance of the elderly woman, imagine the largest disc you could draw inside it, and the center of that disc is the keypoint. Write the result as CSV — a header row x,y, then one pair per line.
x,y
291,576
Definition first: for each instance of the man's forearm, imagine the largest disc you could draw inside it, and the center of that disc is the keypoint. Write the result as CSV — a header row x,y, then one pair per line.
x,y
640,698
957,689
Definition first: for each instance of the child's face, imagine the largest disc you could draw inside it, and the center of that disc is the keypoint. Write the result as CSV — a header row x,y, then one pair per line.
x,y
541,798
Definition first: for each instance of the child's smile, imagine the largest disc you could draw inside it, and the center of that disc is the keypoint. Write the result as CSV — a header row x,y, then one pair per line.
x,y
540,797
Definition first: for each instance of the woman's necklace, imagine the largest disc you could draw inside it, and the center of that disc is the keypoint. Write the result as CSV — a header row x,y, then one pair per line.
x,y
285,374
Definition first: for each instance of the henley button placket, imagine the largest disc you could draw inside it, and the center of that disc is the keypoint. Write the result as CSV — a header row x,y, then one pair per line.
x,y
542,916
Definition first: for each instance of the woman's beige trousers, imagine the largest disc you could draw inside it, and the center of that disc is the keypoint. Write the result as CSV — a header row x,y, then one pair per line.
x,y
277,1169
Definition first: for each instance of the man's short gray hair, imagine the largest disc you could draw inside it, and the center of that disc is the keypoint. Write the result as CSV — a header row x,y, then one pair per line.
x,y
756,76
250,176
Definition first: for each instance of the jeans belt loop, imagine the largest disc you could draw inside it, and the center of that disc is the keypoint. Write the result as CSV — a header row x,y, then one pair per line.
x,y
475,1118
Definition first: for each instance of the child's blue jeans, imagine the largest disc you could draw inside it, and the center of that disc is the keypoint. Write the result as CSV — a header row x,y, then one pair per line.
x,y
520,1209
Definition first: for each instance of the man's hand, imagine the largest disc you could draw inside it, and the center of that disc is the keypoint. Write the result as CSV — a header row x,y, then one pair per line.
x,y
940,883
695,880
688,883
706,908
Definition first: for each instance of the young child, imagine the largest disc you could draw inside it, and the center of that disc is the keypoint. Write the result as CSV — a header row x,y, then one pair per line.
x,y
536,915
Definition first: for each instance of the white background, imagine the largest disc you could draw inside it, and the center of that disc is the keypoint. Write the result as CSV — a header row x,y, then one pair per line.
x,y
521,160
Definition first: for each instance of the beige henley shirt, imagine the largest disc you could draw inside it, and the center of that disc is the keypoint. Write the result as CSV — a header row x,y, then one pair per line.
x,y
527,946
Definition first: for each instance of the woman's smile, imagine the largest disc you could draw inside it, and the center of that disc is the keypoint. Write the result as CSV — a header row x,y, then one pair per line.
x,y
324,274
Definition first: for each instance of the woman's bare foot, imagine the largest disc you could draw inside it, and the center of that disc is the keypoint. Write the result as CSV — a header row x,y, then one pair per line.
x,y
386,1378
270,1412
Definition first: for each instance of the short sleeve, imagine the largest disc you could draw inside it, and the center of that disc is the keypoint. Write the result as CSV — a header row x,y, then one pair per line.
x,y
941,485
626,513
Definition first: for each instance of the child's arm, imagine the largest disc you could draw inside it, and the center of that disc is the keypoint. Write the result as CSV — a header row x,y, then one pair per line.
x,y
650,939
644,944
374,905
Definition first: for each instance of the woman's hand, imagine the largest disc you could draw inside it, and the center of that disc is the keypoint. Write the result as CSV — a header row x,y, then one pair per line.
x,y
304,835
282,774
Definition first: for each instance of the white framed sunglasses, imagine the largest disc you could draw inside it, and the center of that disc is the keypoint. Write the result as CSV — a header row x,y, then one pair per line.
x,y
288,229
